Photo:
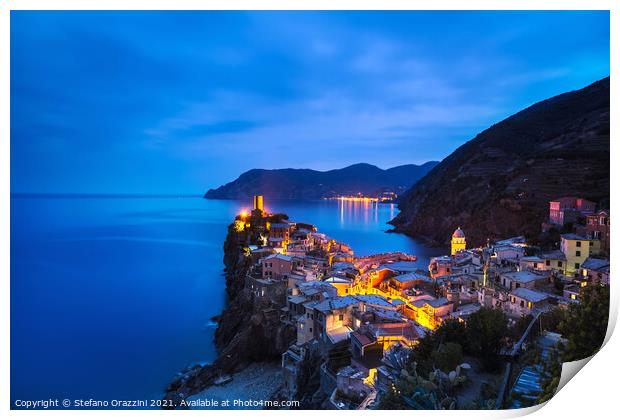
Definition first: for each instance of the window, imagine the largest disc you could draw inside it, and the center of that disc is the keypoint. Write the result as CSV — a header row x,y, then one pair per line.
x,y
578,253
521,303
578,244
547,262
340,317
310,329
559,263
576,266
529,305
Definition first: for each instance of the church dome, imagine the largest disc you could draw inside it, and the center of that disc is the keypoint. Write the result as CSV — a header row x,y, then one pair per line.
x,y
458,233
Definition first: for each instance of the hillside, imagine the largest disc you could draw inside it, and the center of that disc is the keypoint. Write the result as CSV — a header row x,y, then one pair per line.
x,y
499,184
309,184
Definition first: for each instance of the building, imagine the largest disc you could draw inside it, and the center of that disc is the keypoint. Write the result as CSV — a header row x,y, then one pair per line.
x,y
258,211
508,252
568,209
597,227
440,266
430,313
523,279
280,230
399,284
532,262
523,301
458,242
577,249
596,269
277,266
344,286
554,260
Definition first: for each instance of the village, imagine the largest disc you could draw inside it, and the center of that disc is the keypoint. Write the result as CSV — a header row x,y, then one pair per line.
x,y
358,313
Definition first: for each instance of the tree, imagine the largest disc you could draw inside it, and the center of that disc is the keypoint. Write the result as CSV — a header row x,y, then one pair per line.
x,y
448,356
550,321
585,323
485,331
517,330
450,331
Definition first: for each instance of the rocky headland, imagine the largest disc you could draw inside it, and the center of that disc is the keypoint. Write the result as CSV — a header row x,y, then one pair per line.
x,y
249,329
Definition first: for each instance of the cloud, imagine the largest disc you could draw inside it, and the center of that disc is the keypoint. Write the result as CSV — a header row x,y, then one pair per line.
x,y
179,92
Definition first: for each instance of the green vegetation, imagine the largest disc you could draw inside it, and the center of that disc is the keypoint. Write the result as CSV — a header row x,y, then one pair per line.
x,y
585,324
432,375
485,331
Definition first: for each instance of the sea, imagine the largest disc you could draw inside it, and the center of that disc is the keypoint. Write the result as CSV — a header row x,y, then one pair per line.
x,y
111,296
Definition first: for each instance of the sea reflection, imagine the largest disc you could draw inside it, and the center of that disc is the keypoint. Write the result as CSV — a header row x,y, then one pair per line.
x,y
354,212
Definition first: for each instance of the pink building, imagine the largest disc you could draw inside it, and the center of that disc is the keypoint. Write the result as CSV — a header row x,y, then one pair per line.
x,y
277,266
568,209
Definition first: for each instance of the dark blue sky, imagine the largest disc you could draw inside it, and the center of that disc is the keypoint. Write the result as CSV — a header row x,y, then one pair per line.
x,y
178,102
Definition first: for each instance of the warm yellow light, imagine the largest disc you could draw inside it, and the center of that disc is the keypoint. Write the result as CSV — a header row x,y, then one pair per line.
x,y
244,213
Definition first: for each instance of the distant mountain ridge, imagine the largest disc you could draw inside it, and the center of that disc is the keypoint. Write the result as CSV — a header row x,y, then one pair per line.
x,y
309,184
499,184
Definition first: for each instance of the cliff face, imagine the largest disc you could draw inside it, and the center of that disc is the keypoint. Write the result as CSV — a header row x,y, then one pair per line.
x,y
499,184
249,330
309,184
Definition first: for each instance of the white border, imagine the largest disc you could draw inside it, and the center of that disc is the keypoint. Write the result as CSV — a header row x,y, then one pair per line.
x,y
592,394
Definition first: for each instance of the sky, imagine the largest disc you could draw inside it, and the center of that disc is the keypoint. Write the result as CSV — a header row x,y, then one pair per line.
x,y
180,102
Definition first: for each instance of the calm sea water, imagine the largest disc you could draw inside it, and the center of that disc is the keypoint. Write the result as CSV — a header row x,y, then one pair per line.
x,y
110,297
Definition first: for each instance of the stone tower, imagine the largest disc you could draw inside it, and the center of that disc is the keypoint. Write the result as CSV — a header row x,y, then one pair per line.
x,y
258,202
258,210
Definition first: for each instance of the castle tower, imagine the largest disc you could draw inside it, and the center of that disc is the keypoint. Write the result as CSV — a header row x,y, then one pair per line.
x,y
258,210
258,202
458,242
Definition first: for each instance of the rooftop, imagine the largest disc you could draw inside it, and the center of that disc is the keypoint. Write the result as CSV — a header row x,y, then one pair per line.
x,y
336,303
524,276
595,264
402,329
280,225
458,233
404,278
279,257
401,266
529,295
339,334
374,300
573,237
338,280
532,258
554,255
363,339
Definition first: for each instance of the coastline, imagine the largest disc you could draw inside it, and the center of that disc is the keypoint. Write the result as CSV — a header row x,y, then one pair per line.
x,y
254,384
247,332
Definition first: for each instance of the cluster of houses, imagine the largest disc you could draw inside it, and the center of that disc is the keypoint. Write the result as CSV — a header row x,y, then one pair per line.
x,y
358,312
